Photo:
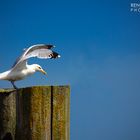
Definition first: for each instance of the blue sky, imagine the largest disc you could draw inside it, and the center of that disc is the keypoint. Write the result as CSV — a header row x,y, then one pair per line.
x,y
99,42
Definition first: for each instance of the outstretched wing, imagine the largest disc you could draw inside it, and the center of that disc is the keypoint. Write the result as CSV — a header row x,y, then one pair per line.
x,y
41,51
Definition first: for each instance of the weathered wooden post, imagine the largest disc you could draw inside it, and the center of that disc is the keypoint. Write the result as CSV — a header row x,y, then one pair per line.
x,y
35,113
7,114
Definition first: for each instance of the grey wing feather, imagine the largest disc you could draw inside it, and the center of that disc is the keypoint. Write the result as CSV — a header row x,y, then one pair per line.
x,y
38,47
40,51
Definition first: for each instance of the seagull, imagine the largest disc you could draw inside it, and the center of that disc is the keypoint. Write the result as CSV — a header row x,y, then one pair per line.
x,y
21,69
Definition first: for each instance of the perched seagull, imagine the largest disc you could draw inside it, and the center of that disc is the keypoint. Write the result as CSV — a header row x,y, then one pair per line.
x,y
21,69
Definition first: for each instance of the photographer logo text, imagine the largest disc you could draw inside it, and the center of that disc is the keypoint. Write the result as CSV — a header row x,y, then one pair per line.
x,y
135,7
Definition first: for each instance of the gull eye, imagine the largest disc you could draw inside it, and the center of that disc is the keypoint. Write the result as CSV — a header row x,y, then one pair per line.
x,y
39,67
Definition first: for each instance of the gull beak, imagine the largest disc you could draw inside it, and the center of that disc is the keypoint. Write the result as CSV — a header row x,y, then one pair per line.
x,y
43,71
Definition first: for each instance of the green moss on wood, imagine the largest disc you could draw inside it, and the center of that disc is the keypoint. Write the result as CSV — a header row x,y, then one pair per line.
x,y
61,95
28,112
3,91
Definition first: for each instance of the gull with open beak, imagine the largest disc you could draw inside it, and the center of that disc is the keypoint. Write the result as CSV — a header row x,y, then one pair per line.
x,y
21,69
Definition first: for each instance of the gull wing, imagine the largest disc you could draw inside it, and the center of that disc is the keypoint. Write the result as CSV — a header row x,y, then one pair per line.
x,y
41,51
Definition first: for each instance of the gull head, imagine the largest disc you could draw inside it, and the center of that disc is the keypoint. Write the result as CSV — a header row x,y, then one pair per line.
x,y
39,68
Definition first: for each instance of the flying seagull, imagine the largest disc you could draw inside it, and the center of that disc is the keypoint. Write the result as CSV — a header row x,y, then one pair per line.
x,y
21,69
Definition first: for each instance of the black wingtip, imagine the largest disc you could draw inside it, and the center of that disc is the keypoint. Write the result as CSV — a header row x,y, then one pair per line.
x,y
54,55
50,46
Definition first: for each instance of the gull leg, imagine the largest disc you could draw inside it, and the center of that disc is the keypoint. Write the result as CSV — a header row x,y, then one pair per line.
x,y
12,82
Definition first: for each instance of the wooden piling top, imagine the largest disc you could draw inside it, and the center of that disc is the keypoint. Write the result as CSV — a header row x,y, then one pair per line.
x,y
37,113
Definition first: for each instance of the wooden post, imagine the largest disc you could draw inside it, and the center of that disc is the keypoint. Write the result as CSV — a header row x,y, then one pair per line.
x,y
7,114
35,113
